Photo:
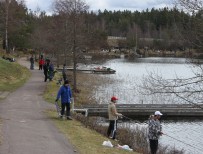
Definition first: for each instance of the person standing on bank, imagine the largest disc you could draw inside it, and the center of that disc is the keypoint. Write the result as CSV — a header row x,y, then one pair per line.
x,y
65,94
155,131
113,117
64,74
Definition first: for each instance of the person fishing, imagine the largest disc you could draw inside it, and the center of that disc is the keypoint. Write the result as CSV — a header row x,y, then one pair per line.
x,y
113,117
155,131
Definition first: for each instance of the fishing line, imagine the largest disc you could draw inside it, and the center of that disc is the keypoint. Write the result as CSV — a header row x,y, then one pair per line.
x,y
195,147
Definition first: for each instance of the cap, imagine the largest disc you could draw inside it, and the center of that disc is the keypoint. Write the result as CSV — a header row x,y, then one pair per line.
x,y
66,82
158,113
114,98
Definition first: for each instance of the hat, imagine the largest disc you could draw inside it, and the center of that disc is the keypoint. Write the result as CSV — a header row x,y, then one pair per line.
x,y
114,98
158,113
66,82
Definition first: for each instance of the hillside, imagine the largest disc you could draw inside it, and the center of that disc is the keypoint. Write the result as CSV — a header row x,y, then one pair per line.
x,y
12,75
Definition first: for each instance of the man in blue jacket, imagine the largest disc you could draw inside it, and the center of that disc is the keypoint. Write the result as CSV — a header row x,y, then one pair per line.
x,y
66,95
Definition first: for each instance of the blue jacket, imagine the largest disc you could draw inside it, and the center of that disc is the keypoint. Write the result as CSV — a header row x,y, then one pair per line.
x,y
65,94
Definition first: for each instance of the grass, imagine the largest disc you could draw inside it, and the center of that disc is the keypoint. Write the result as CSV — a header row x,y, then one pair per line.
x,y
0,131
86,84
12,75
85,140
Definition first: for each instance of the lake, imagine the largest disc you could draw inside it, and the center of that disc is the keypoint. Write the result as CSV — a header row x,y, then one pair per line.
x,y
184,134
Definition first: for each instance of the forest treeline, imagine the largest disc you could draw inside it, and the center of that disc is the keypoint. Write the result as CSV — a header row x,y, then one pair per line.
x,y
166,28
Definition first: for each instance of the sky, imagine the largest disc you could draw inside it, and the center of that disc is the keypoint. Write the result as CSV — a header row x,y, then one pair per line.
x,y
95,5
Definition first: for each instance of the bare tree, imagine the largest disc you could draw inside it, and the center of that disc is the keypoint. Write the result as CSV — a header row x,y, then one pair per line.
x,y
73,12
181,90
190,5
178,90
193,27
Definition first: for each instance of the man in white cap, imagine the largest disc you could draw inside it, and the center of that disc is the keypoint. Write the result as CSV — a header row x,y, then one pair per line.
x,y
155,131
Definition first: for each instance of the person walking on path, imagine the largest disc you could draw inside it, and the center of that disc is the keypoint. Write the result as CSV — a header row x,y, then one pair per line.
x,y
41,63
25,128
65,94
32,61
46,69
51,71
113,117
155,131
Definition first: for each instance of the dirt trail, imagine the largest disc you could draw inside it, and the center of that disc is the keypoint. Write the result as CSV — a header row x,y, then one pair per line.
x,y
26,129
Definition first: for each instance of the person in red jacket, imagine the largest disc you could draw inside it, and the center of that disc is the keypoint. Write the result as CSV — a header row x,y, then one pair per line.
x,y
41,63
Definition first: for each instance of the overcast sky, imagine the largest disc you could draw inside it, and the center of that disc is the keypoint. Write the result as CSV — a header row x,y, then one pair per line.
x,y
95,5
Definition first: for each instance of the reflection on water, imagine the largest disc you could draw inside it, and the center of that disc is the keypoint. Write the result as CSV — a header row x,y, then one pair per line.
x,y
130,73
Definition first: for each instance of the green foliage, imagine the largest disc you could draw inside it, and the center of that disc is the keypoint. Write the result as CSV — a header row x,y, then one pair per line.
x,y
29,29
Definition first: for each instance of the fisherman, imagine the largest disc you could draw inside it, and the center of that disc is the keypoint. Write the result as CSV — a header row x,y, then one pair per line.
x,y
113,117
155,131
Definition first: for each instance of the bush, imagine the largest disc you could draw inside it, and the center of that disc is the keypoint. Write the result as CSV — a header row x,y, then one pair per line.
x,y
136,137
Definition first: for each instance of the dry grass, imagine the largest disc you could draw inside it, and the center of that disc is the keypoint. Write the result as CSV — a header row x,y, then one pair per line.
x,y
89,141
86,86
0,131
85,140
12,75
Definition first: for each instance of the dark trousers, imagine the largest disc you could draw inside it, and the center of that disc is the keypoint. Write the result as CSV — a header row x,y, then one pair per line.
x,y
40,67
112,129
153,146
32,66
45,76
67,106
64,77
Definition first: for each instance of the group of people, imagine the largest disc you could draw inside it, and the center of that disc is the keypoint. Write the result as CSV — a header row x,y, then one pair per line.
x,y
65,94
154,126
45,65
48,68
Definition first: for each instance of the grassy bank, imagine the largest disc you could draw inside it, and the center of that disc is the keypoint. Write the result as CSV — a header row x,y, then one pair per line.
x,y
84,138
12,75
86,141
1,131
135,137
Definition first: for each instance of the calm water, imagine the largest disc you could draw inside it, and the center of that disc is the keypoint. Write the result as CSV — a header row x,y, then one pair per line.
x,y
124,85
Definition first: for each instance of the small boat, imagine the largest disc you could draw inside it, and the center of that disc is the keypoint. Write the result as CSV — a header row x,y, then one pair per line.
x,y
103,70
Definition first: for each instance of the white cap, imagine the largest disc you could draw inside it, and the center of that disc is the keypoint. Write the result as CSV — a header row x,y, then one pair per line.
x,y
158,113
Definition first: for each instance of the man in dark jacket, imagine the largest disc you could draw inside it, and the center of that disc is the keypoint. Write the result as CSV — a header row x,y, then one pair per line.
x,y
65,94
32,61
46,69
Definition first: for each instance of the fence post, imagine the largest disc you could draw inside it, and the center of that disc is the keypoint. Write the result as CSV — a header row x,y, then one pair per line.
x,y
73,103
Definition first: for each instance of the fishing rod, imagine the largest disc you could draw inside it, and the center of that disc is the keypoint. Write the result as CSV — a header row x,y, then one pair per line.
x,y
195,147
136,121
